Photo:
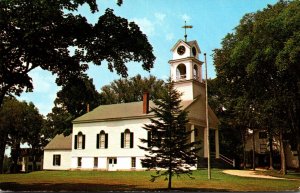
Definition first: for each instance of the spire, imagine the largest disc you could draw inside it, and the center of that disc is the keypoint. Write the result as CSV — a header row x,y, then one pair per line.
x,y
186,26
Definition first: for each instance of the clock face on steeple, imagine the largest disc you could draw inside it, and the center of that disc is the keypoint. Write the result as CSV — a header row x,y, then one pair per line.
x,y
181,50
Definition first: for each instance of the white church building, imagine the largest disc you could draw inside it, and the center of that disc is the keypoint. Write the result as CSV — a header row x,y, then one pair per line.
x,y
107,138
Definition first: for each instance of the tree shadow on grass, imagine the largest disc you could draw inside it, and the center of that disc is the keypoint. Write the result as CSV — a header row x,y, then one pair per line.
x,y
89,187
82,187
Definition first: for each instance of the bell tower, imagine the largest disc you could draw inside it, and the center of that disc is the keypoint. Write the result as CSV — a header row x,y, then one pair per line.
x,y
186,69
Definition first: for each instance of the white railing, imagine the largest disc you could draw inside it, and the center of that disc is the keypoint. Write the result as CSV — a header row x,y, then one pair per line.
x,y
227,160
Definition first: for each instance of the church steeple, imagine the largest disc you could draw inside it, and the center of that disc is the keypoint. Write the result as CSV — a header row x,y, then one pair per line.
x,y
186,68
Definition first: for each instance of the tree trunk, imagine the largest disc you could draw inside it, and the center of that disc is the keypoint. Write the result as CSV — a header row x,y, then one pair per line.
x,y
282,155
170,181
253,152
298,152
298,148
244,148
3,136
32,154
271,150
34,163
15,151
2,94
297,125
298,136
2,153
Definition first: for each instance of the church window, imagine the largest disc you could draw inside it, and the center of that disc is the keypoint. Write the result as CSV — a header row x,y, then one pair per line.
x,y
127,139
95,162
133,162
79,160
195,72
154,138
79,141
56,160
102,140
181,72
194,51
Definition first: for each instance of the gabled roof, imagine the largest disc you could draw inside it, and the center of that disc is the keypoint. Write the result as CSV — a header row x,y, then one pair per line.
x,y
133,110
197,113
194,43
178,42
189,44
60,142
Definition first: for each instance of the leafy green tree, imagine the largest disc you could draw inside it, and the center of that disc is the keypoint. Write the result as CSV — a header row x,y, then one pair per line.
x,y
6,119
258,69
72,101
169,149
58,121
35,134
228,122
17,130
76,94
39,34
131,90
21,123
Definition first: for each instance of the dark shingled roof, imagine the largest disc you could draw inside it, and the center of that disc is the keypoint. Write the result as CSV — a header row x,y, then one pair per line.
x,y
132,110
60,142
191,43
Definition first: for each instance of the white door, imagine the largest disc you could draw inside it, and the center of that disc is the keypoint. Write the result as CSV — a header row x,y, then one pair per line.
x,y
112,164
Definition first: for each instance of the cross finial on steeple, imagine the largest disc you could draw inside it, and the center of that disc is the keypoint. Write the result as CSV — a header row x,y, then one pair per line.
x,y
186,26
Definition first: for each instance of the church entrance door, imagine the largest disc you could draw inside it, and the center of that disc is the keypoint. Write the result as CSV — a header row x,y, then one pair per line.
x,y
112,164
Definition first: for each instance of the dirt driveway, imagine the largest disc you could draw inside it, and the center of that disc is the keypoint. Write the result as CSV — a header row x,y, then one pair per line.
x,y
250,174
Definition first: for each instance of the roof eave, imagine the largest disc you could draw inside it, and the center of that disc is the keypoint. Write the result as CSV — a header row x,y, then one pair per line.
x,y
114,119
184,59
178,42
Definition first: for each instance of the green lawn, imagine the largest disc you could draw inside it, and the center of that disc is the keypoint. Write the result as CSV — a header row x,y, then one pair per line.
x,y
122,181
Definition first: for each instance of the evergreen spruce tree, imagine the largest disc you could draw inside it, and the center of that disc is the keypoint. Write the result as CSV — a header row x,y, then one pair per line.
x,y
170,152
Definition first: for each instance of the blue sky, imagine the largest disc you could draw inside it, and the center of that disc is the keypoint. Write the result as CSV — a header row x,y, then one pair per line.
x,y
161,21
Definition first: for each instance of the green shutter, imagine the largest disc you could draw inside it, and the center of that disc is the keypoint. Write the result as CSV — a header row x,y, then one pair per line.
x,y
75,142
97,141
131,140
122,140
106,141
58,160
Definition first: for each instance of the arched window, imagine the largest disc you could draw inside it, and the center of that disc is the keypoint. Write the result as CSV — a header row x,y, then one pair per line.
x,y
102,140
180,72
195,72
79,141
127,139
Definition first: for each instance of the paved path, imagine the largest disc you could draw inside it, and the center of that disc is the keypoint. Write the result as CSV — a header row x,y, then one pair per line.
x,y
250,174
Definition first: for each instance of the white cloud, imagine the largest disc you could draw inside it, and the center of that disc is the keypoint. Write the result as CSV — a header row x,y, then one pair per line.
x,y
145,24
160,16
185,17
170,36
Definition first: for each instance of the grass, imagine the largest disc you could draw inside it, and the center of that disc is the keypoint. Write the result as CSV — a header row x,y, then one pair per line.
x,y
137,181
